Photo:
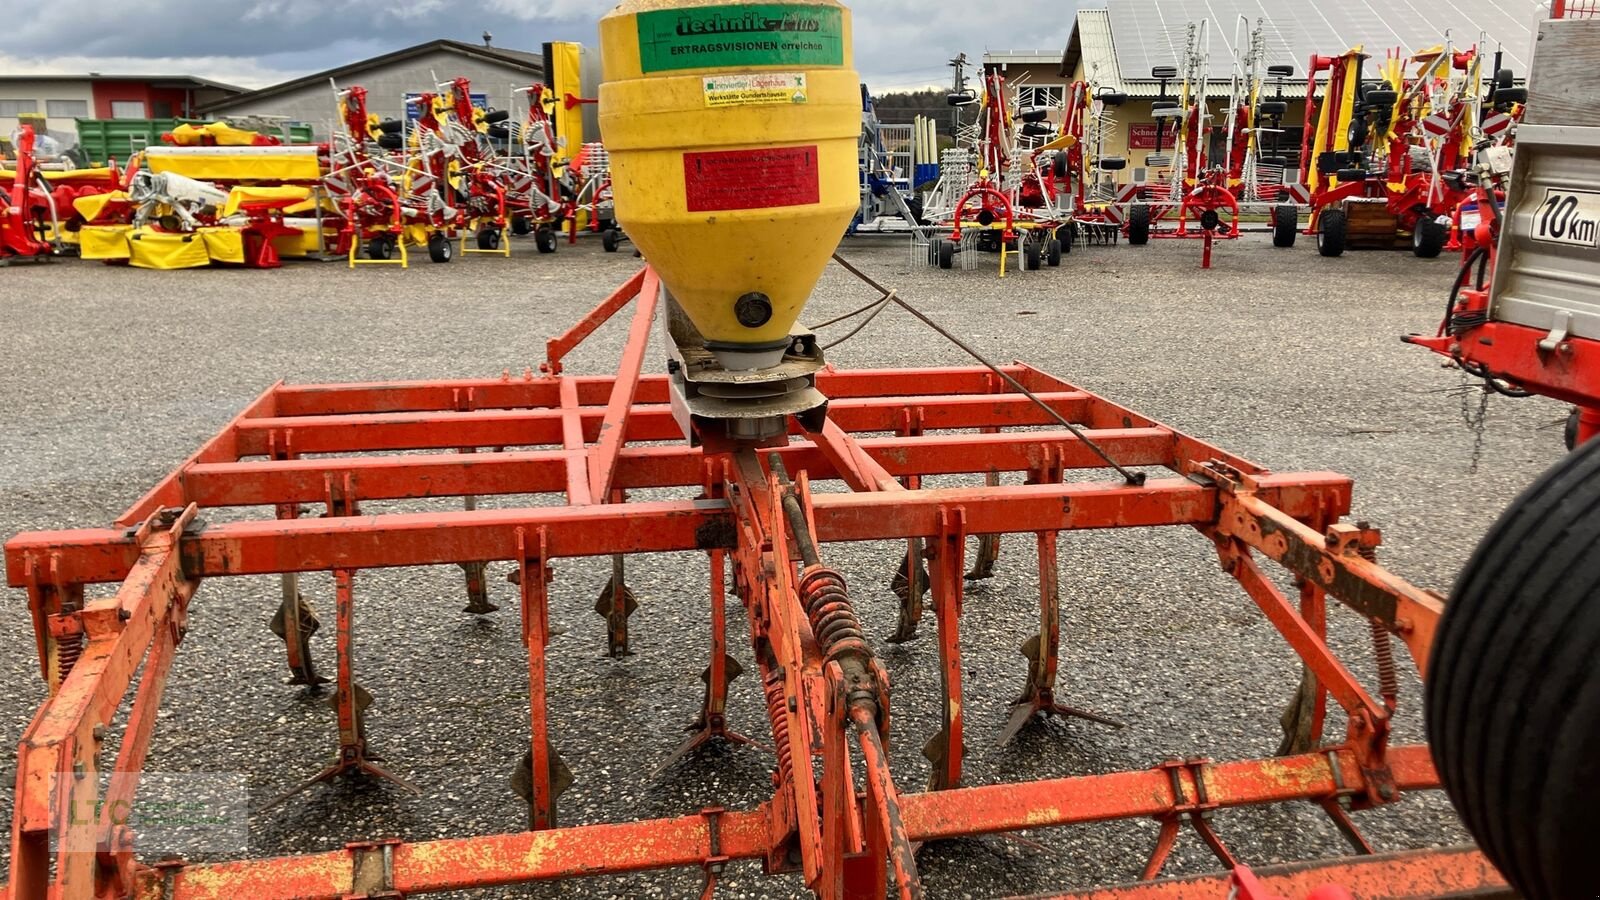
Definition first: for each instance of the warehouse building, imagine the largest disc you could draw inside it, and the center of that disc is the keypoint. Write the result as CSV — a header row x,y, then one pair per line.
x,y
63,99
389,79
1115,47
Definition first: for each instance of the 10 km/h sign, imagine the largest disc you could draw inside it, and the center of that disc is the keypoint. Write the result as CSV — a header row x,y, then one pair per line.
x,y
1568,217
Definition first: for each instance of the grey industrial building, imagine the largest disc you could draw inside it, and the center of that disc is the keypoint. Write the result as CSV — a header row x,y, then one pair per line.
x,y
494,72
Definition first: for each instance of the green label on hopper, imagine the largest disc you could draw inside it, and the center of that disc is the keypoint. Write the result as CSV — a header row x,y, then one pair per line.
x,y
763,34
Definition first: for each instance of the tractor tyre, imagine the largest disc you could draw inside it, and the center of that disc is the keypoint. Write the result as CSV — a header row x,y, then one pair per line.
x,y
440,248
1032,255
611,240
1052,253
1139,225
946,254
546,240
1285,224
521,225
381,248
489,238
1332,233
1513,694
1429,238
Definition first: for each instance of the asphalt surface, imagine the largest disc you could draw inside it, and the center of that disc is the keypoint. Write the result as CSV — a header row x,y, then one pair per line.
x,y
110,377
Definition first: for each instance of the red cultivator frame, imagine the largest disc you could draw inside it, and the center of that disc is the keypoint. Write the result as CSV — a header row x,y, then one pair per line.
x,y
556,433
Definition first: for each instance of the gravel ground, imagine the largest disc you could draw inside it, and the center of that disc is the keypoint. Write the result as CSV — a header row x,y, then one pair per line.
x,y
112,376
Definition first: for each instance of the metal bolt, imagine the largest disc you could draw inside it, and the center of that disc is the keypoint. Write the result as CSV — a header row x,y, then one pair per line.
x,y
1386,791
79,771
99,732
673,367
124,613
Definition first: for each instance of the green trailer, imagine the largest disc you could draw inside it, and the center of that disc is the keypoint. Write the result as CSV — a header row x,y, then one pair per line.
x,y
101,140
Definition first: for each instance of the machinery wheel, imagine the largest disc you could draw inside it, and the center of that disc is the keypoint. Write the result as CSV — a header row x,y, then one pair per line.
x,y
611,240
947,254
1139,225
1032,255
521,225
488,238
545,239
440,248
1331,233
1571,432
1513,695
1052,253
1210,220
1285,224
381,247
1429,238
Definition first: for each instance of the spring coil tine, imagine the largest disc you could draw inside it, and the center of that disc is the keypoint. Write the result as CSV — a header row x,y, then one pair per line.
x,y
1383,649
832,616
778,712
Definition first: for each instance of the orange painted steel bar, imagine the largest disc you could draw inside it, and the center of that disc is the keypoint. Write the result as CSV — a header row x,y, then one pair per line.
x,y
1455,873
269,546
616,849
827,699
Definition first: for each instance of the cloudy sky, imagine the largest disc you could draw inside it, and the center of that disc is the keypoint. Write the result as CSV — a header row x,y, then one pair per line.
x,y
900,44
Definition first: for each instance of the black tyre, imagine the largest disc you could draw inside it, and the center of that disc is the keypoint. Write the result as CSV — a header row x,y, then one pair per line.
x,y
611,240
1032,255
381,248
1285,224
1052,253
440,248
1139,225
1429,238
946,251
1332,232
1513,694
521,225
489,238
1571,431
1210,220
545,240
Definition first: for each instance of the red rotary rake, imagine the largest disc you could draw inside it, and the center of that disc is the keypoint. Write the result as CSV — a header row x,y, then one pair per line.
x,y
592,439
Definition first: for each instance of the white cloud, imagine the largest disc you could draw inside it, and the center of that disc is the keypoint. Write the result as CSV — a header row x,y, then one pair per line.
x,y
241,71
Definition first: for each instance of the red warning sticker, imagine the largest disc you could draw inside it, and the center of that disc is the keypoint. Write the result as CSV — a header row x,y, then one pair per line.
x,y
752,179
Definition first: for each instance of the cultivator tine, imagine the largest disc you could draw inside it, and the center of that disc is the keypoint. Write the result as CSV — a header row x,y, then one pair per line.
x,y
910,584
616,606
1299,717
560,778
1042,651
477,572
1334,807
988,545
946,749
294,623
478,589
350,702
712,722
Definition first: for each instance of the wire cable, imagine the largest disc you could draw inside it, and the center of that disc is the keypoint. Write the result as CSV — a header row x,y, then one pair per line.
x,y
1135,479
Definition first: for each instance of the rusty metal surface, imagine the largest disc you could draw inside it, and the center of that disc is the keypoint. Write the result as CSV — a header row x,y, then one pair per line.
x,y
829,702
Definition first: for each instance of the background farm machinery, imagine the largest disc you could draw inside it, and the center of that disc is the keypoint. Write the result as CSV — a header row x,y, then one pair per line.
x,y
1376,156
1213,176
1524,315
996,192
